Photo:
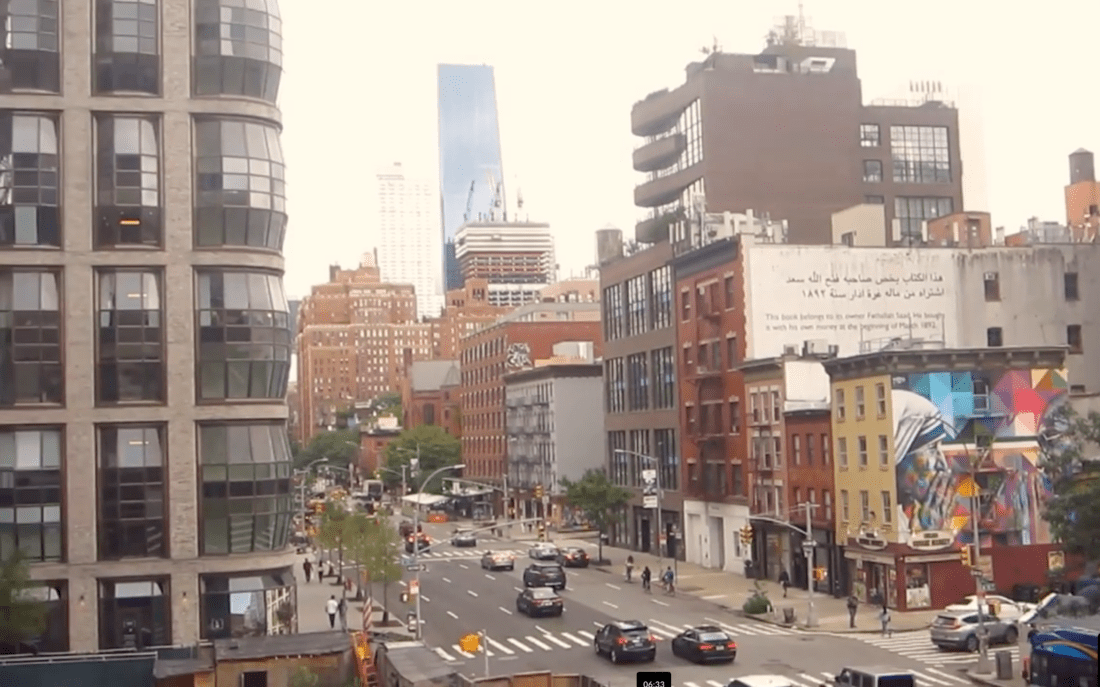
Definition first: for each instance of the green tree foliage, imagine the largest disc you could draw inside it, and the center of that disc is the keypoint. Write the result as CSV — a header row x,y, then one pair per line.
x,y
22,618
1073,467
598,498
332,533
340,447
437,449
376,546
304,677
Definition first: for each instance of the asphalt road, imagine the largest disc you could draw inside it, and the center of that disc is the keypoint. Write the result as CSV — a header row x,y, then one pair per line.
x,y
458,597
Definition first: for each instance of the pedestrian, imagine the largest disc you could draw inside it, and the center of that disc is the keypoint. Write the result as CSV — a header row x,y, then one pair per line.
x,y
308,568
342,610
884,618
853,605
784,581
331,607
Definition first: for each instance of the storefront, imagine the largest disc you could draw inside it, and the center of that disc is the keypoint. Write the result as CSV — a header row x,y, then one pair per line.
x,y
904,578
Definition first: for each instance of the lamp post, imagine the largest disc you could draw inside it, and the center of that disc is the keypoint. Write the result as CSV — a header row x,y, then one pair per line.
x,y
807,549
415,467
305,472
401,474
657,472
416,537
976,571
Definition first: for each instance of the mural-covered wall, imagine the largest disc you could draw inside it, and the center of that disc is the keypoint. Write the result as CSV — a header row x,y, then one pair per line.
x,y
943,421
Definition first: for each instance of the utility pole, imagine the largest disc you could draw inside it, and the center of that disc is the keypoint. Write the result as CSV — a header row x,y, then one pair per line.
x,y
808,547
657,484
416,534
976,571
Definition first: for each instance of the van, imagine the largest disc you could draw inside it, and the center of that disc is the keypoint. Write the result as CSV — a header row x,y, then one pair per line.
x,y
875,676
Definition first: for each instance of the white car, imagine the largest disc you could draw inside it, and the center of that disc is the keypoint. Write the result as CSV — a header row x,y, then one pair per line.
x,y
543,552
1001,606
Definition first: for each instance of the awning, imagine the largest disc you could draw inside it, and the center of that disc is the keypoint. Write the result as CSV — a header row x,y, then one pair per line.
x,y
424,499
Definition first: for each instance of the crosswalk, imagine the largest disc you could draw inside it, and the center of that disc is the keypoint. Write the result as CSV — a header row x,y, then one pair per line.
x,y
544,640
919,647
929,677
471,553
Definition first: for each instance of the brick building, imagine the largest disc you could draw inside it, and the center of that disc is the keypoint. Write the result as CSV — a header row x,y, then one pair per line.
x,y
372,447
466,310
352,334
429,395
512,343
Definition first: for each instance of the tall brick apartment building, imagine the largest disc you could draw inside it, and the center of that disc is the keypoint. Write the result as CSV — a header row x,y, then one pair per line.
x,y
513,343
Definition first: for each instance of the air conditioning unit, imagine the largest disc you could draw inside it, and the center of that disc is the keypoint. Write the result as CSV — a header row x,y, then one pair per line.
x,y
790,349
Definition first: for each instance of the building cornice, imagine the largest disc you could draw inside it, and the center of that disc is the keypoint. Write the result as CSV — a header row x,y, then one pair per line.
x,y
947,359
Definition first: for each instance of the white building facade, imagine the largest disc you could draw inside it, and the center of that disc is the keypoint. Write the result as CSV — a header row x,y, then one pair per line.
x,y
516,258
409,241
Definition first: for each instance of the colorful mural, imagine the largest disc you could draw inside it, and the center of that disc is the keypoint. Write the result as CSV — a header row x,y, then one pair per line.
x,y
1002,423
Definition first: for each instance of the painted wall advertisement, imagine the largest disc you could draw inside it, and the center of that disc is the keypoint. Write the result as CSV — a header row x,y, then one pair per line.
x,y
856,299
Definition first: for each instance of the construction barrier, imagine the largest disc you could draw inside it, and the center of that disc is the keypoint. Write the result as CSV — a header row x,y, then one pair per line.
x,y
364,662
437,517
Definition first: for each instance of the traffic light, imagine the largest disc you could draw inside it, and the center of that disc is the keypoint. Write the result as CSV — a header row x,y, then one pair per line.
x,y
746,535
964,555
820,574
538,491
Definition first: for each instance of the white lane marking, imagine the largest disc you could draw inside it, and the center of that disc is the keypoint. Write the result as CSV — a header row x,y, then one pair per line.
x,y
426,599
444,655
691,684
936,680
490,577
654,621
464,567
471,592
608,603
715,683
829,676
446,580
505,610
552,638
499,647
452,615
575,640
460,651
402,583
949,676
713,597
613,586
586,634
663,633
520,645
597,624
662,603
518,589
537,643
809,677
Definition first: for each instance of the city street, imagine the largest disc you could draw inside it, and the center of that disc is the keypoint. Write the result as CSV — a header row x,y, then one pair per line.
x,y
458,598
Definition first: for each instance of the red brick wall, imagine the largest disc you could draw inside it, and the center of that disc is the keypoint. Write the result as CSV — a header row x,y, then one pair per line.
x,y
950,582
805,475
1020,565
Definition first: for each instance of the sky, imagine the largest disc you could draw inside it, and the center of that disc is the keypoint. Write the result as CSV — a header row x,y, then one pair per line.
x,y
359,92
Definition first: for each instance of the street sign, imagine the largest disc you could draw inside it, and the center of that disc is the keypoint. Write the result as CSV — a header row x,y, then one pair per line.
x,y
406,561
423,567
546,500
414,587
649,501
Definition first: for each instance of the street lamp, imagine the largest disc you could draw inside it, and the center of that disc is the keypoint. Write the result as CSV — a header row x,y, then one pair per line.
x,y
414,466
404,488
657,473
304,472
808,546
416,537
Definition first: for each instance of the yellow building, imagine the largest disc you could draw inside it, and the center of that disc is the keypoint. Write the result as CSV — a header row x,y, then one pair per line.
x,y
913,433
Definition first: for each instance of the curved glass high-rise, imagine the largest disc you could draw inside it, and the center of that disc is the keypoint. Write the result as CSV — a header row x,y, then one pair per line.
x,y
144,332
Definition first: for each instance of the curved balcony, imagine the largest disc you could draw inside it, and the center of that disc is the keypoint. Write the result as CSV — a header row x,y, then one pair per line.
x,y
656,229
656,114
660,153
664,190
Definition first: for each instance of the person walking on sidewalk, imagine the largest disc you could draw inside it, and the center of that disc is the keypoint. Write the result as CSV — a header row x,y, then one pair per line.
x,y
784,581
308,568
884,618
331,607
853,606
342,611
629,567
647,577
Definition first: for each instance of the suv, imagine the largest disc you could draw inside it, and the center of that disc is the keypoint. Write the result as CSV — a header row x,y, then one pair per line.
x,y
874,676
406,528
960,630
544,575
625,639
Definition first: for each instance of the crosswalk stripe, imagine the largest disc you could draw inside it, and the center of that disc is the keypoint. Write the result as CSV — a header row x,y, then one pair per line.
x,y
537,643
578,642
663,633
586,634
949,676
715,683
458,649
809,677
829,677
517,643
557,641
498,646
443,654
654,621
690,684
934,680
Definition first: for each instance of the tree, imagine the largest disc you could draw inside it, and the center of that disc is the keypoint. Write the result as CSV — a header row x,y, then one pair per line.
x,y
333,533
340,447
22,618
437,449
304,677
1070,464
598,498
376,546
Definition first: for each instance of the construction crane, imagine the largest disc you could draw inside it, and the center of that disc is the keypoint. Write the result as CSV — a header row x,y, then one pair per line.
x,y
495,189
469,201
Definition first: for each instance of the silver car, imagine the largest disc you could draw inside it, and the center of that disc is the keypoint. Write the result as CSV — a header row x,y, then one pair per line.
x,y
960,630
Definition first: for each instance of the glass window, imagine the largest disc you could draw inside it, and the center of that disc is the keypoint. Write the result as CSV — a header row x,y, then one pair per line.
x,y
240,185
869,136
616,385
53,595
238,48
30,337
30,44
30,493
131,338
660,290
664,378
244,336
912,212
131,492
126,54
29,180
667,452
638,369
920,154
636,305
872,171
134,614
249,605
247,504
127,182
613,314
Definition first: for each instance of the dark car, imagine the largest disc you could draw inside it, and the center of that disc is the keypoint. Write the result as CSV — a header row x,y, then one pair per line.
x,y
539,601
544,575
498,560
420,541
406,528
705,644
626,640
464,539
574,557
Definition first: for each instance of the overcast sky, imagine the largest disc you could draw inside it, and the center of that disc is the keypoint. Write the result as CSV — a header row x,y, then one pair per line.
x,y
359,92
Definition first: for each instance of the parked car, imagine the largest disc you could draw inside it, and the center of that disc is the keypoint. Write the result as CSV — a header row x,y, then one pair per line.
x,y
960,630
705,644
420,541
539,601
406,528
544,575
464,538
760,681
1001,606
497,560
543,552
625,640
573,557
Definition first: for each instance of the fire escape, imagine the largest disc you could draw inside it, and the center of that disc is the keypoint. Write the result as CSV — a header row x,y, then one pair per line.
x,y
706,429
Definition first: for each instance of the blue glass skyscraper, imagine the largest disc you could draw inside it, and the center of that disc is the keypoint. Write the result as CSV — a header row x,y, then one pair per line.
x,y
469,152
